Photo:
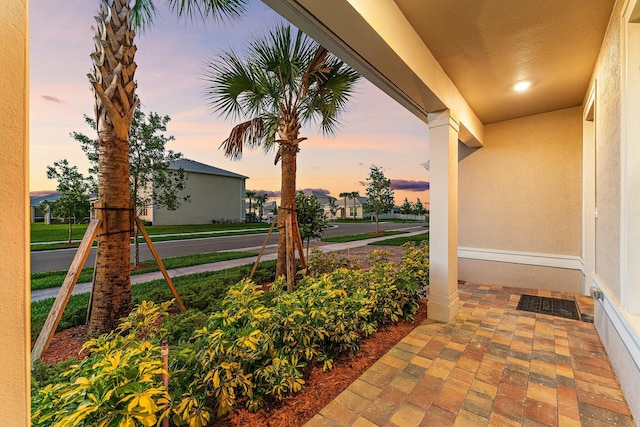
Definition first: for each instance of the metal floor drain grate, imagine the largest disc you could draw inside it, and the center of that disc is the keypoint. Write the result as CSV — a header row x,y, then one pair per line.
x,y
551,306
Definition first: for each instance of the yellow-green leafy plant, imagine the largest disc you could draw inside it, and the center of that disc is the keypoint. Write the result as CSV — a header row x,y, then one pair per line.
x,y
415,266
321,262
118,384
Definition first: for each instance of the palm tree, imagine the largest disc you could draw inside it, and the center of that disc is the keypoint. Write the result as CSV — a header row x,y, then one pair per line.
x,y
286,81
261,200
114,87
353,196
250,195
345,195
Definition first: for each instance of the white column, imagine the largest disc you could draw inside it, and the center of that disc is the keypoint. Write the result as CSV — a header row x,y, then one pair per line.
x,y
443,302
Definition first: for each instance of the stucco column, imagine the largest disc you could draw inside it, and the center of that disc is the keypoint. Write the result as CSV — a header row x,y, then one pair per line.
x,y
14,217
443,302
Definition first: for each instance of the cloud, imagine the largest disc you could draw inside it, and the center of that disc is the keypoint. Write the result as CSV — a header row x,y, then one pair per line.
x,y
409,185
52,99
41,193
362,183
267,192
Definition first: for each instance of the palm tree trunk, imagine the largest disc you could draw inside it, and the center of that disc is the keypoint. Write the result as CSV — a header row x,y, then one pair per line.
x,y
287,206
114,88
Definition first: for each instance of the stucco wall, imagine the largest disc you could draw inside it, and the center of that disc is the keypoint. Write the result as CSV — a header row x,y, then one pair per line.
x,y
14,216
522,192
607,142
212,197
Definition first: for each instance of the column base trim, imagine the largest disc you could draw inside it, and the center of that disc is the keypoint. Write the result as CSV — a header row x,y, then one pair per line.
x,y
443,308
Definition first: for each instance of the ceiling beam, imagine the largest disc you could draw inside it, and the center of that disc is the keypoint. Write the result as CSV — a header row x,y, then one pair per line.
x,y
377,41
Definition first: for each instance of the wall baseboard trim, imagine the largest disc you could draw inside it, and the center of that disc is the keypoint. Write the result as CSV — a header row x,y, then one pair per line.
x,y
629,335
528,258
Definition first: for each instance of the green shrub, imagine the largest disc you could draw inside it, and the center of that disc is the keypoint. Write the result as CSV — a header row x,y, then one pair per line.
x,y
414,267
254,346
321,262
119,384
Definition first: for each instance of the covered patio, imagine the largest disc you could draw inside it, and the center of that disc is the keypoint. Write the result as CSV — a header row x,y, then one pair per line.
x,y
492,365
536,189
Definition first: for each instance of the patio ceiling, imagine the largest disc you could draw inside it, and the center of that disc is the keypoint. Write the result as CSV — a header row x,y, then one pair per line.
x,y
482,47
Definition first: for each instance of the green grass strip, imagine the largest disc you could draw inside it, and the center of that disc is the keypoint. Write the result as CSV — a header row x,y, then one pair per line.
x,y
399,241
60,232
54,279
354,237
202,291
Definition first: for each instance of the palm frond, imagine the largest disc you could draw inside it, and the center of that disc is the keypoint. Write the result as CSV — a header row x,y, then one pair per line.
x,y
230,85
314,71
218,10
143,14
249,134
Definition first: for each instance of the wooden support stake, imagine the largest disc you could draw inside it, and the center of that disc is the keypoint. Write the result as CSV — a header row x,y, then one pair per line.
x,y
152,248
55,314
298,241
291,255
264,245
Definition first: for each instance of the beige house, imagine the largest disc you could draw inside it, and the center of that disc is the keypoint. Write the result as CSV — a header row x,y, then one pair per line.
x,y
354,208
214,195
537,189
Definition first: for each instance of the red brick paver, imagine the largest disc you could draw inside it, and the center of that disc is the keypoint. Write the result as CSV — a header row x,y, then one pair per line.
x,y
492,365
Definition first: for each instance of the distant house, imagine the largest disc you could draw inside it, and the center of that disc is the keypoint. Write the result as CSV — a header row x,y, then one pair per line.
x,y
324,200
354,210
215,195
37,213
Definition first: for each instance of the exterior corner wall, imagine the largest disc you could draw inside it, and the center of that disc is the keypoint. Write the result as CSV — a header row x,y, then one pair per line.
x,y
622,350
212,197
15,213
616,187
522,193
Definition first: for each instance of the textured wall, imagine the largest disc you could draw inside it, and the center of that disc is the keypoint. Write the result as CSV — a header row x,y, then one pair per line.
x,y
14,216
608,134
212,197
523,190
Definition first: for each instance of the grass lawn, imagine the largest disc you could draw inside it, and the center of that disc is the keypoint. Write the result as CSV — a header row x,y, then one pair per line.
x,y
399,241
202,291
354,237
54,279
60,232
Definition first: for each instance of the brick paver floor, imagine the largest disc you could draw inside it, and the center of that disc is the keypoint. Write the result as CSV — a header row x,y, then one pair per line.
x,y
492,365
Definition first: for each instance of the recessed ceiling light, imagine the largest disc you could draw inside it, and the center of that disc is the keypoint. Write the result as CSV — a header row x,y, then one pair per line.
x,y
521,86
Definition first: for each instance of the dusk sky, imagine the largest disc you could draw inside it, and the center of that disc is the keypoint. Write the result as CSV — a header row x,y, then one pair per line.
x,y
374,130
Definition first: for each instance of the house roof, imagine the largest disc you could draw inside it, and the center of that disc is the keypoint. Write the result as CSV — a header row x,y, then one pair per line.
x,y
35,200
189,165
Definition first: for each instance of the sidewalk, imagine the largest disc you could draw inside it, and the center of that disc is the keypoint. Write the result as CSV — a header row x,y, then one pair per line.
x,y
269,254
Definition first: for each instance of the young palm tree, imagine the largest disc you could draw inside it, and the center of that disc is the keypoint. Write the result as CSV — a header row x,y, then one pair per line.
x,y
353,196
250,195
286,81
261,200
345,195
115,102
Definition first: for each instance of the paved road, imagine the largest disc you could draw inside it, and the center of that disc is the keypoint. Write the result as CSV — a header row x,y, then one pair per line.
x,y
60,259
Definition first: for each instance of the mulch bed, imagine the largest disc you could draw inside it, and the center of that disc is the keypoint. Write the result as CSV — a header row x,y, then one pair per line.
x,y
320,387
295,410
